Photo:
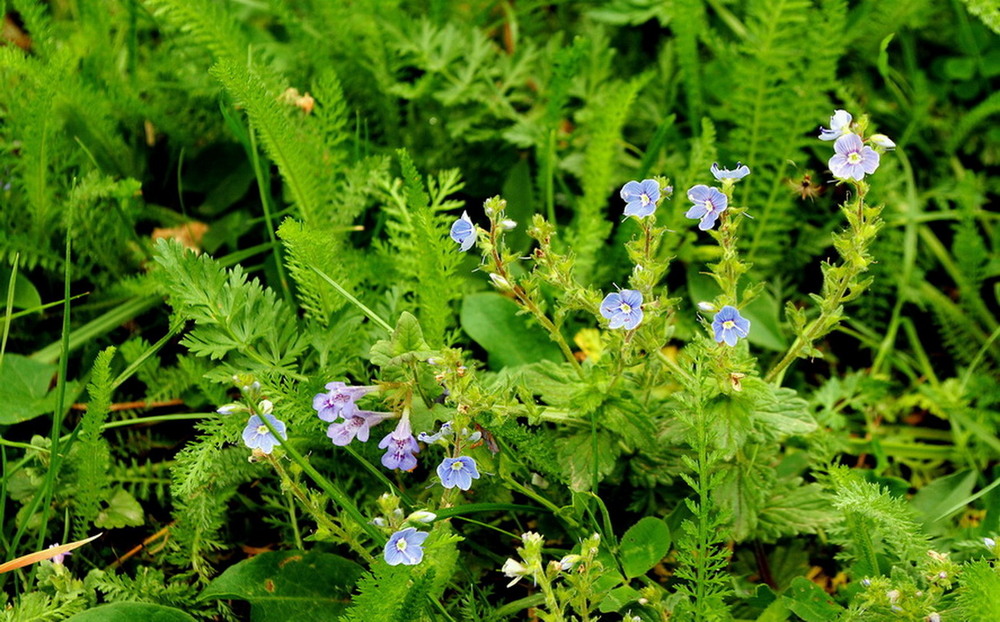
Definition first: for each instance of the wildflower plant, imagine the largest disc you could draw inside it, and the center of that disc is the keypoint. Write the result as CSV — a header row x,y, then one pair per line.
x,y
376,394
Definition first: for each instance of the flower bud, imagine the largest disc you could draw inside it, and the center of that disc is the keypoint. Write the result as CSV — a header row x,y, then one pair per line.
x,y
707,306
568,562
500,282
422,516
265,407
990,543
883,141
229,409
508,224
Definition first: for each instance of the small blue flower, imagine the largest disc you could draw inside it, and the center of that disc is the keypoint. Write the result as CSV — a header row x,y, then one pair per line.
x,y
853,158
339,401
623,308
709,203
400,447
257,436
741,171
730,326
840,124
458,472
405,547
640,197
356,426
464,232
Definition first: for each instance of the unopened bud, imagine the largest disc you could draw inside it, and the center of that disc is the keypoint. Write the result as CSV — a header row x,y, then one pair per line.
x,y
706,306
883,141
265,407
422,516
507,224
500,282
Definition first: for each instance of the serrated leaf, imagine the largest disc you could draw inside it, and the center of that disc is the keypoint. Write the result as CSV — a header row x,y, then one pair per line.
x,y
130,612
122,511
644,545
289,585
579,458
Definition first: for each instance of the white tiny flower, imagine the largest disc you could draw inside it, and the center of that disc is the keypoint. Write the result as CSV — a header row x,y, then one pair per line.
x,y
508,224
513,569
933,617
378,521
265,407
990,543
568,562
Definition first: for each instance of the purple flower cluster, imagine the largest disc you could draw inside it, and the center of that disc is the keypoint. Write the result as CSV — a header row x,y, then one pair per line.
x,y
347,422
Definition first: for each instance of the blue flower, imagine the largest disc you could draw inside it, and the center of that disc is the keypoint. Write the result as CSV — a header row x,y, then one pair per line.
x,y
853,158
464,232
405,547
640,197
458,471
741,171
356,426
339,401
400,447
623,308
840,125
730,326
709,203
257,436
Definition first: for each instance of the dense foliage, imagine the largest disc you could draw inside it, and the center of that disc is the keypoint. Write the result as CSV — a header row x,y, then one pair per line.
x,y
439,310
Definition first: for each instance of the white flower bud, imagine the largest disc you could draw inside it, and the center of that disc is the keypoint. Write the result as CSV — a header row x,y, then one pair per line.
x,y
422,516
568,562
508,224
265,407
883,141
707,306
893,596
499,281
990,543
229,409
378,521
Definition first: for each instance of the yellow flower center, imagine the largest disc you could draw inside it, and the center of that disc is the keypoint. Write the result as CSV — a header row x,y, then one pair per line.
x,y
625,307
456,466
262,429
645,199
729,324
401,545
854,158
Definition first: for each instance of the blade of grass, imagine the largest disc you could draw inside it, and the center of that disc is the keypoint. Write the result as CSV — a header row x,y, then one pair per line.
x,y
10,307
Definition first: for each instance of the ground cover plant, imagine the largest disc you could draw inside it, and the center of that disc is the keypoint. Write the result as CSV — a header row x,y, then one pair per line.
x,y
392,310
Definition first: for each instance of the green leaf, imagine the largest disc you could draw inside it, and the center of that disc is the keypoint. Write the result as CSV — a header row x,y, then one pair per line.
x,y
122,511
406,344
578,456
24,389
289,585
130,612
808,601
618,598
644,545
25,294
941,495
509,339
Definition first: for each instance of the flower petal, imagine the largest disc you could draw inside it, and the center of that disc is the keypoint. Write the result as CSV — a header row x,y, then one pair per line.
x,y
699,193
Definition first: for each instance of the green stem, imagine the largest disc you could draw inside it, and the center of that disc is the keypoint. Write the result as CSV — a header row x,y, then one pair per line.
x,y
335,494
